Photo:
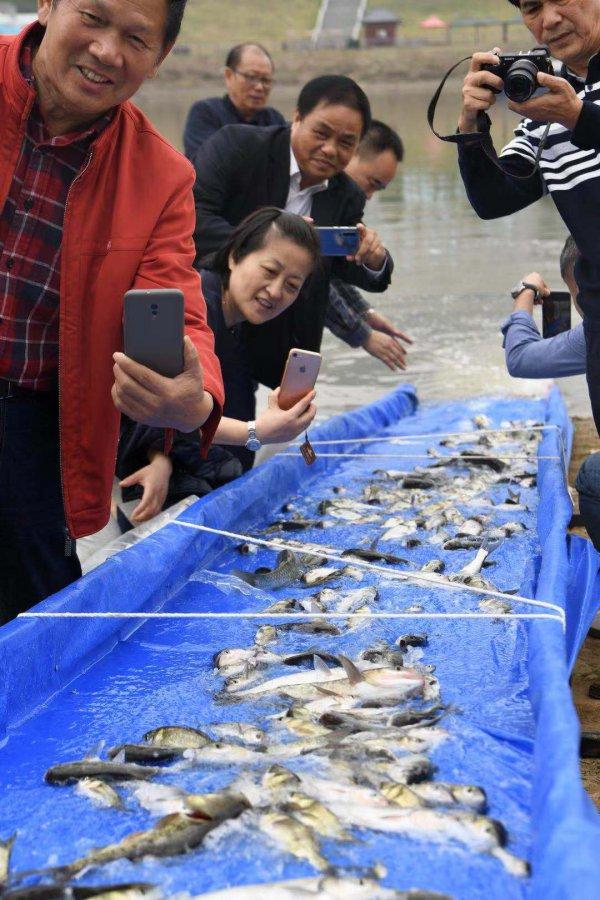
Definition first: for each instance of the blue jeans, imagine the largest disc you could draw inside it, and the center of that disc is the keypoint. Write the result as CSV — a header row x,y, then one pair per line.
x,y
588,487
33,546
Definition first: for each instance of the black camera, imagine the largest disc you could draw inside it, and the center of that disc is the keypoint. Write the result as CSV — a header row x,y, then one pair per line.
x,y
519,72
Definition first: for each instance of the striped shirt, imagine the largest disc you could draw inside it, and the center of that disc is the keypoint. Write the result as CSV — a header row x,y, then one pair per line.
x,y
569,172
31,224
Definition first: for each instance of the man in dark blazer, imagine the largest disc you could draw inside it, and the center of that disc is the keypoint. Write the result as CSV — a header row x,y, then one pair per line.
x,y
300,169
248,80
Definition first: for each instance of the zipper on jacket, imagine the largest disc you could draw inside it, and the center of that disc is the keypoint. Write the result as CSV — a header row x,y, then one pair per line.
x,y
69,539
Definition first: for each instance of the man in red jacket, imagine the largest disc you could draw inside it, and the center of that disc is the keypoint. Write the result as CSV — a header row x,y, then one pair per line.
x,y
93,202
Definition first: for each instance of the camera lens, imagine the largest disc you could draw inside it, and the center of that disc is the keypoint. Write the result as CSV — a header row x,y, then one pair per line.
x,y
521,81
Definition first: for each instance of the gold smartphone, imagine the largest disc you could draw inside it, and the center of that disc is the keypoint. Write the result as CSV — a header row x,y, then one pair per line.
x,y
299,377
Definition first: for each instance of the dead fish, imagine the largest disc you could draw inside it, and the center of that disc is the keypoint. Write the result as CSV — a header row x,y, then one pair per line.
x,y
137,891
434,565
411,640
326,887
418,482
470,528
410,769
67,773
316,626
382,652
141,753
278,778
319,575
375,556
5,854
440,793
294,837
463,543
281,606
99,792
294,525
177,736
289,569
315,815
171,836
265,634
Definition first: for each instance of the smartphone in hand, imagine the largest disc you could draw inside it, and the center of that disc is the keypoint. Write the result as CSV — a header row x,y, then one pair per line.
x,y
153,329
299,377
556,313
338,241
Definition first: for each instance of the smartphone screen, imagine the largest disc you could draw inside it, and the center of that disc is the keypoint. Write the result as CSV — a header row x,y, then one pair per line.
x,y
556,313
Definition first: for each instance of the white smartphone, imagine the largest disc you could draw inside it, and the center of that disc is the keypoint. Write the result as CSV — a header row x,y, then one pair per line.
x,y
299,377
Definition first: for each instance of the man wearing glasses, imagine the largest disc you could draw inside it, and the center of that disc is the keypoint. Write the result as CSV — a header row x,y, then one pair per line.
x,y
248,79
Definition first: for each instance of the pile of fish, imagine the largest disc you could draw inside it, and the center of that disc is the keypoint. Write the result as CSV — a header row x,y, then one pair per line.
x,y
322,747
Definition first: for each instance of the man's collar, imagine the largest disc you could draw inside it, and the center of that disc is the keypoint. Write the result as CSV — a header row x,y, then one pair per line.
x,y
296,175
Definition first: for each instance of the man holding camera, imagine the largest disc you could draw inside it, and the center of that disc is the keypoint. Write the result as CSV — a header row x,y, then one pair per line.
x,y
559,131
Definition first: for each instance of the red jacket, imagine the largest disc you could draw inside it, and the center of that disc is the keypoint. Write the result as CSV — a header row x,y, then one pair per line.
x,y
128,223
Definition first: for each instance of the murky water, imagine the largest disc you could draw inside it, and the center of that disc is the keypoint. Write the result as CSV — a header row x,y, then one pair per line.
x,y
453,272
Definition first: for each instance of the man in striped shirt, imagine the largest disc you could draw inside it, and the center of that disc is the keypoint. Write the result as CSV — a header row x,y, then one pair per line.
x,y
569,164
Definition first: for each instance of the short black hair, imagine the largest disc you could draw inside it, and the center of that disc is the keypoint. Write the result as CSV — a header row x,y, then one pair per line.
x,y
568,257
234,57
379,138
251,234
175,11
335,89
516,3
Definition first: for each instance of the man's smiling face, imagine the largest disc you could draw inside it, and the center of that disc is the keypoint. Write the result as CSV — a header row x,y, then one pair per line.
x,y
570,28
96,53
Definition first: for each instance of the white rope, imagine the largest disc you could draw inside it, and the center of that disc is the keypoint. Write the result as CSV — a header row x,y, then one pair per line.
x,y
371,567
271,616
449,457
414,438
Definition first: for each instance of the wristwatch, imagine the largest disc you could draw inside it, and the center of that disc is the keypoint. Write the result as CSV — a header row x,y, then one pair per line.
x,y
524,286
253,442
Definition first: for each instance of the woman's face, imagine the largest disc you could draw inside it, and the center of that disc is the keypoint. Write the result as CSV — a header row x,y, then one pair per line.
x,y
267,281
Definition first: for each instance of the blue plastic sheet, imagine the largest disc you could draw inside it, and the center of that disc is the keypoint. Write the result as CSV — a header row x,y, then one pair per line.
x,y
69,684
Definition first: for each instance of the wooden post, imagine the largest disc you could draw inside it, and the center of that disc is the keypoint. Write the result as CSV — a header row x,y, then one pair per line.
x,y
504,34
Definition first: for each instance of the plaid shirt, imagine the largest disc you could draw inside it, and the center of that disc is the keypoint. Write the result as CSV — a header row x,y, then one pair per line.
x,y
31,224
345,313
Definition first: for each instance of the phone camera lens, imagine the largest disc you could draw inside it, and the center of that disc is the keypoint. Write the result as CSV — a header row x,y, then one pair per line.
x,y
303,368
154,309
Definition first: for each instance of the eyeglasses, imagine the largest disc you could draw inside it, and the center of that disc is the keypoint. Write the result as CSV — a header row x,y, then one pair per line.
x,y
266,83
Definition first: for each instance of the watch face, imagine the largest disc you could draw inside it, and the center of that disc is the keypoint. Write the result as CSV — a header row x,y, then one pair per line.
x,y
518,289
253,444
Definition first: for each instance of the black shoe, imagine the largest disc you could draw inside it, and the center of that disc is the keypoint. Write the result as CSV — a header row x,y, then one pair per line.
x,y
594,690
589,746
594,633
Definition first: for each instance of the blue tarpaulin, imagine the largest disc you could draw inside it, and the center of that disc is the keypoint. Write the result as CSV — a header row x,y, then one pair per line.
x,y
71,683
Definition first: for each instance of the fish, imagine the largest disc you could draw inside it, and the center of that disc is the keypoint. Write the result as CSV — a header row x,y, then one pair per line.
x,y
382,652
278,778
409,769
6,847
56,891
401,795
171,836
478,833
351,601
294,837
319,575
411,640
438,793
421,482
315,815
290,567
463,543
244,731
265,634
375,556
141,753
177,736
327,887
99,792
316,626
434,565
476,564
67,773
470,528
294,525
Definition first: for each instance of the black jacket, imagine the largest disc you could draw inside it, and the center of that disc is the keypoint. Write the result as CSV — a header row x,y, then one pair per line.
x,y
240,170
208,116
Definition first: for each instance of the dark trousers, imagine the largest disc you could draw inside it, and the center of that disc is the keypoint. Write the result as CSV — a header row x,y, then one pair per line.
x,y
588,487
33,560
591,328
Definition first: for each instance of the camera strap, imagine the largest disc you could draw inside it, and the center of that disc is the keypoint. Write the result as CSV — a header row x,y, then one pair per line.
x,y
482,136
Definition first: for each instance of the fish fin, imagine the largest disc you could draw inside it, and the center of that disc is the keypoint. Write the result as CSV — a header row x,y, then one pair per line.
x,y
95,751
326,692
321,666
354,674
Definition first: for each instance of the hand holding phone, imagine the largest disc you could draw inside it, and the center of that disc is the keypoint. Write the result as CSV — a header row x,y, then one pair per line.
x,y
299,377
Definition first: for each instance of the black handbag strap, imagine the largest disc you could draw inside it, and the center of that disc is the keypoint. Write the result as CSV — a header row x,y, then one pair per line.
x,y
482,136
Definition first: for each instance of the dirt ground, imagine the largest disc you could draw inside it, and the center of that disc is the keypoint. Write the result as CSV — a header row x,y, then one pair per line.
x,y
587,668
